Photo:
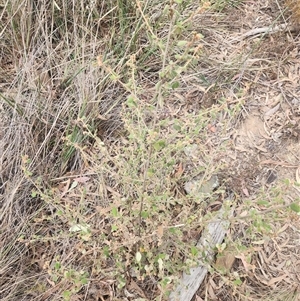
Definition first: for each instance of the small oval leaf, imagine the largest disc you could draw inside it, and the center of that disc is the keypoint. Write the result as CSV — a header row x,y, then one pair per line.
x,y
138,256
295,207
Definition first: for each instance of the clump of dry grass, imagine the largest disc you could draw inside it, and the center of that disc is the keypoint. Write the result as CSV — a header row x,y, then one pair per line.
x,y
52,92
61,113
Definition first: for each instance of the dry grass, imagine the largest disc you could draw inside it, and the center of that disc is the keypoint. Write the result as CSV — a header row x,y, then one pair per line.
x,y
108,109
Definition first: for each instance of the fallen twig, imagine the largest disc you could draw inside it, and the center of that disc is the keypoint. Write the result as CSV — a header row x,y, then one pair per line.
x,y
214,234
265,30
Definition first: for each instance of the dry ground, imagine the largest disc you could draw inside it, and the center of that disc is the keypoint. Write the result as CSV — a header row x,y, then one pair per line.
x,y
95,153
264,152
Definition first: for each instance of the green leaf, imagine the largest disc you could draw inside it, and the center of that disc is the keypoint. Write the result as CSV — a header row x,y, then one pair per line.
x,y
114,228
33,193
114,77
145,214
68,274
237,282
159,145
166,281
295,207
67,295
175,85
114,212
74,184
172,230
178,57
131,102
57,265
106,251
79,227
28,173
122,282
262,202
150,172
194,251
83,279
177,127
182,43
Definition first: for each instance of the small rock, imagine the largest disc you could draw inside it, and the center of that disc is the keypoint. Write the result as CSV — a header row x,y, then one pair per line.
x,y
202,188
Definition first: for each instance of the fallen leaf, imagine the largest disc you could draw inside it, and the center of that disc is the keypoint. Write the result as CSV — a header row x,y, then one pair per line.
x,y
272,111
246,265
212,128
160,231
103,210
117,194
52,283
226,259
246,192
100,60
135,287
79,227
244,213
179,170
138,256
101,117
211,293
66,187
81,179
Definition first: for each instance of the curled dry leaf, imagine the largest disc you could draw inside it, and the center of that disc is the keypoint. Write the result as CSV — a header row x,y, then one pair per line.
x,y
226,260
179,170
246,192
248,267
211,289
212,128
272,111
160,231
81,179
